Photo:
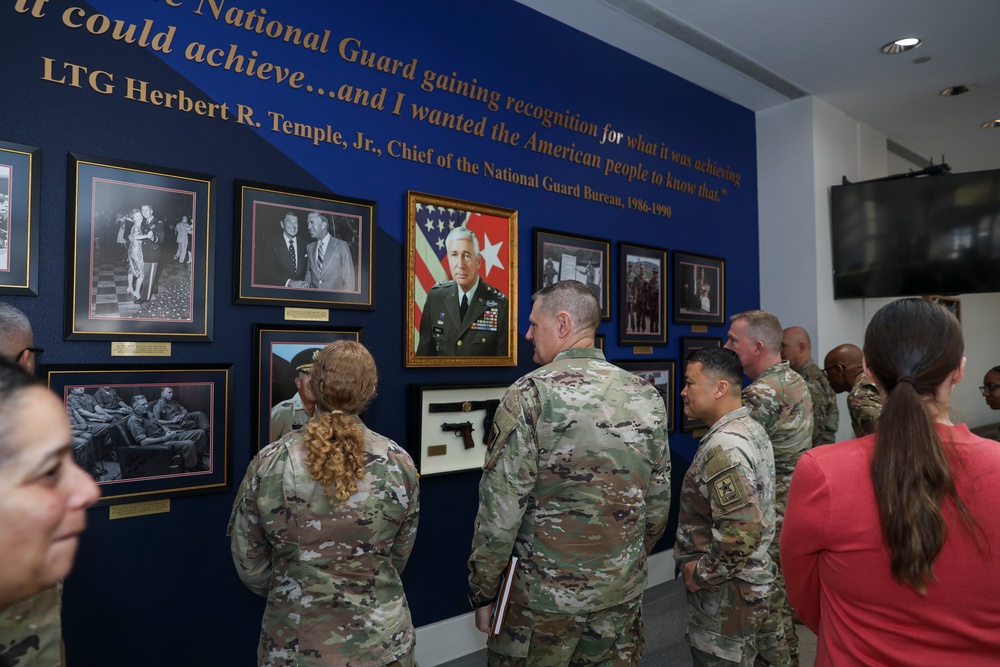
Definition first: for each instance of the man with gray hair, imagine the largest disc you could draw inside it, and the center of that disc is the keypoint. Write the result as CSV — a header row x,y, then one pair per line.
x,y
330,266
576,484
17,341
464,316
778,399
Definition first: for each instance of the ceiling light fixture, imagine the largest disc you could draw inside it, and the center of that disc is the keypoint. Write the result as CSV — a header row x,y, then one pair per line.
x,y
901,45
991,123
960,89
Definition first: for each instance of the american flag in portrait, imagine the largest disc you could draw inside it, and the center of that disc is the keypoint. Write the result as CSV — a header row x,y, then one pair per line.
x,y
433,223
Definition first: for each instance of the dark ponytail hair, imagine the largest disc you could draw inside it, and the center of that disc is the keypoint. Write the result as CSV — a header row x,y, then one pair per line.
x,y
911,347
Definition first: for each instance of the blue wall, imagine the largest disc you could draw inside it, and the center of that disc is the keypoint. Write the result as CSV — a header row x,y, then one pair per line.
x,y
161,590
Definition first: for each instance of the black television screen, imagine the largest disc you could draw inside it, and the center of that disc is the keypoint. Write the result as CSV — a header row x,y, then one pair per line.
x,y
917,236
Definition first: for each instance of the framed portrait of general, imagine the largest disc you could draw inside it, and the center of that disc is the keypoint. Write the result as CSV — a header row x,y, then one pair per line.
x,y
20,175
150,431
643,286
699,289
688,345
661,373
285,399
304,248
461,283
560,256
140,248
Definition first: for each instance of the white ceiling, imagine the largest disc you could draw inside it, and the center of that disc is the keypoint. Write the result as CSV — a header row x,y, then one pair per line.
x,y
830,49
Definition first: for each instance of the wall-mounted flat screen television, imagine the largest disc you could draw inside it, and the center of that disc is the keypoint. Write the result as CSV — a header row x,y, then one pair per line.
x,y
916,236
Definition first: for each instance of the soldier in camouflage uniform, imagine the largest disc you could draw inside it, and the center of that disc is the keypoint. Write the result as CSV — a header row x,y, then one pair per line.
x,y
796,349
576,484
323,525
726,520
845,370
779,400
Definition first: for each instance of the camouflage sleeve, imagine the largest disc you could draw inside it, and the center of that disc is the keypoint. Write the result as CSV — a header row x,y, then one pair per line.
x,y
865,407
803,538
249,545
658,496
507,482
407,490
737,519
758,405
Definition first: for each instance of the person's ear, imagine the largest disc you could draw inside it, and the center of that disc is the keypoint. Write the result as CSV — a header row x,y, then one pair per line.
x,y
958,373
721,388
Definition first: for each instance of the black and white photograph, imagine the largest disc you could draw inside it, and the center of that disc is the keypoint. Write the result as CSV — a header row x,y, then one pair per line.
x,y
642,320
661,373
304,247
141,247
699,289
20,171
560,256
147,431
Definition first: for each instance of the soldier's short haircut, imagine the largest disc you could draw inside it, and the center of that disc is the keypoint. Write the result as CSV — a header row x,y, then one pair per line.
x,y
15,331
763,326
138,398
573,297
719,363
463,232
13,381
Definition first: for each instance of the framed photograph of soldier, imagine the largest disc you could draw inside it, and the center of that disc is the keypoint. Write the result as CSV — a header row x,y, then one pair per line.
x,y
688,345
284,356
306,248
149,432
699,289
461,283
643,295
952,304
453,425
560,256
661,374
20,175
140,249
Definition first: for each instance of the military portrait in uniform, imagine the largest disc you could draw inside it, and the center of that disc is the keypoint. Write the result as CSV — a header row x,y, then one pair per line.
x,y
661,373
304,248
461,283
284,361
699,289
643,288
560,256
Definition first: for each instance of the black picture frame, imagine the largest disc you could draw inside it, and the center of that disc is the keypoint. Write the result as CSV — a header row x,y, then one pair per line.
x,y
20,179
560,256
441,450
135,472
102,195
275,348
268,273
664,379
699,289
642,318
688,345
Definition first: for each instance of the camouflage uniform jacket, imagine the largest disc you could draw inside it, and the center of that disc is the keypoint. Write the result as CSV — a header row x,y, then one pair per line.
x,y
330,571
865,405
727,519
31,631
826,414
779,401
576,483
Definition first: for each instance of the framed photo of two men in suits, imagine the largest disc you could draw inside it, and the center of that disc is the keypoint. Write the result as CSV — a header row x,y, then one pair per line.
x,y
461,288
304,248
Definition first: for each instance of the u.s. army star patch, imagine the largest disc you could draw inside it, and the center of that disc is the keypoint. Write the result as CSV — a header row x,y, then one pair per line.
x,y
729,490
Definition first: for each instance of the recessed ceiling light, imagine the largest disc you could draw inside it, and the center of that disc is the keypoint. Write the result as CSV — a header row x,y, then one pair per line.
x,y
991,123
960,89
900,45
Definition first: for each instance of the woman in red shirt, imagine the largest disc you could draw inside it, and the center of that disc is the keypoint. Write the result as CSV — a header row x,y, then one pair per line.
x,y
890,545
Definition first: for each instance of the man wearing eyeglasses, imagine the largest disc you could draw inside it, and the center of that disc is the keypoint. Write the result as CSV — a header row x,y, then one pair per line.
x,y
843,367
991,392
17,342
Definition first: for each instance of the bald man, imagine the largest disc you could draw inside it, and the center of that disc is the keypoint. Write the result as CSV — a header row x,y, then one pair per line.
x,y
796,349
843,366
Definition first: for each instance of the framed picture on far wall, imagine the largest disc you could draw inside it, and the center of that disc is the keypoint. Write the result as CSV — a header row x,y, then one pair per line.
x,y
642,316
661,374
304,248
149,431
285,399
688,345
20,175
140,251
461,283
560,256
699,289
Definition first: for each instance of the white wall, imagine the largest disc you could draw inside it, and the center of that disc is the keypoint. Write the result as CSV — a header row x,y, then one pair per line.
x,y
803,148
